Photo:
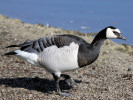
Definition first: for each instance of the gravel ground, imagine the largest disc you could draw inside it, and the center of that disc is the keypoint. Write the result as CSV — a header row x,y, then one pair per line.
x,y
109,78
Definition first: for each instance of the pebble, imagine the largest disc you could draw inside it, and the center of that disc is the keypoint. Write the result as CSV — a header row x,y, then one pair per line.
x,y
129,69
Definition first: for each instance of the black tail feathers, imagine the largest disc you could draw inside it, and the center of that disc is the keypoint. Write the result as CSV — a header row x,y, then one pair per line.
x,y
10,53
12,46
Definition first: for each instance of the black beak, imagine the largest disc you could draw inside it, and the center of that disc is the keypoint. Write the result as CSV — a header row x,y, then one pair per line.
x,y
121,37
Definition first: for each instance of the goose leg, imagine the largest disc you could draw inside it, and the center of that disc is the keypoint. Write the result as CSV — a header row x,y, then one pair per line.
x,y
56,78
69,80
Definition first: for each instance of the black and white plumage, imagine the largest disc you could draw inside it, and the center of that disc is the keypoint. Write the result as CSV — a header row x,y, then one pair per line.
x,y
60,53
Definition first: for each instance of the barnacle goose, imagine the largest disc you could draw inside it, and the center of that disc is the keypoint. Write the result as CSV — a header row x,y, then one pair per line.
x,y
61,53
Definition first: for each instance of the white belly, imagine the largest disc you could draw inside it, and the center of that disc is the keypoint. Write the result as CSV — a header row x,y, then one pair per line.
x,y
55,59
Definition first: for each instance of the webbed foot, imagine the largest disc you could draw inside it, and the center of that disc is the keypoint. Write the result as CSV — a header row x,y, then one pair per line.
x,y
64,94
71,82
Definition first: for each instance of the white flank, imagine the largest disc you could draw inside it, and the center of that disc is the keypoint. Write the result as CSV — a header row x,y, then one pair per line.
x,y
30,57
55,59
110,34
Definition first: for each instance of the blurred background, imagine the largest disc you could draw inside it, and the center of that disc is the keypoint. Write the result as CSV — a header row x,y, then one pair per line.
x,y
87,16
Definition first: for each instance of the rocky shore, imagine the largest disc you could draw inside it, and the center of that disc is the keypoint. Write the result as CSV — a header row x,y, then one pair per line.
x,y
109,78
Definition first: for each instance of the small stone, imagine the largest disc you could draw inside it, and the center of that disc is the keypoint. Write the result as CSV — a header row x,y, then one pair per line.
x,y
3,90
30,95
93,68
129,69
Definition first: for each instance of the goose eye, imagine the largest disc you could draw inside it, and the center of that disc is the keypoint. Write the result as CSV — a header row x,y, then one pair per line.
x,y
116,33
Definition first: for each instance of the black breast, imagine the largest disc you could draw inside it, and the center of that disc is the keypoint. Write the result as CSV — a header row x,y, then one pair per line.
x,y
86,55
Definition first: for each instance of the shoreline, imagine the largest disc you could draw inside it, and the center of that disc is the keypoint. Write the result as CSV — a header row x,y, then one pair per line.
x,y
109,78
76,32
49,30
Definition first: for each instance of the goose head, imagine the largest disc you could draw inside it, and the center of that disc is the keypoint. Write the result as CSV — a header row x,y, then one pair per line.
x,y
109,32
113,33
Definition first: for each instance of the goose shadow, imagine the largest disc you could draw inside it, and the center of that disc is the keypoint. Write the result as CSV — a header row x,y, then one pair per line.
x,y
38,84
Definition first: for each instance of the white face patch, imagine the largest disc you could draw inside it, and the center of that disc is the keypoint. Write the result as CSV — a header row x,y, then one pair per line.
x,y
110,34
117,30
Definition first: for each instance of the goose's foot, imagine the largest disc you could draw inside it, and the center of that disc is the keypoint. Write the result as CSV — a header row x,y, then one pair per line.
x,y
64,94
56,78
69,80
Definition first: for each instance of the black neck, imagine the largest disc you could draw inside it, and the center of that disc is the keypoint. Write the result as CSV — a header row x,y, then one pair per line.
x,y
98,40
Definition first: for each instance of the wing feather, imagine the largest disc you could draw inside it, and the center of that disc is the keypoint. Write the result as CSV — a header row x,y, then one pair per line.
x,y
37,46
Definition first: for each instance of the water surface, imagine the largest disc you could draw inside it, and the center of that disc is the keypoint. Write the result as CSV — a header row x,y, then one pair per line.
x,y
82,15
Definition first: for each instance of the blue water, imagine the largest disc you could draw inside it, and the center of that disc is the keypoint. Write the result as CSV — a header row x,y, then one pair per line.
x,y
81,15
